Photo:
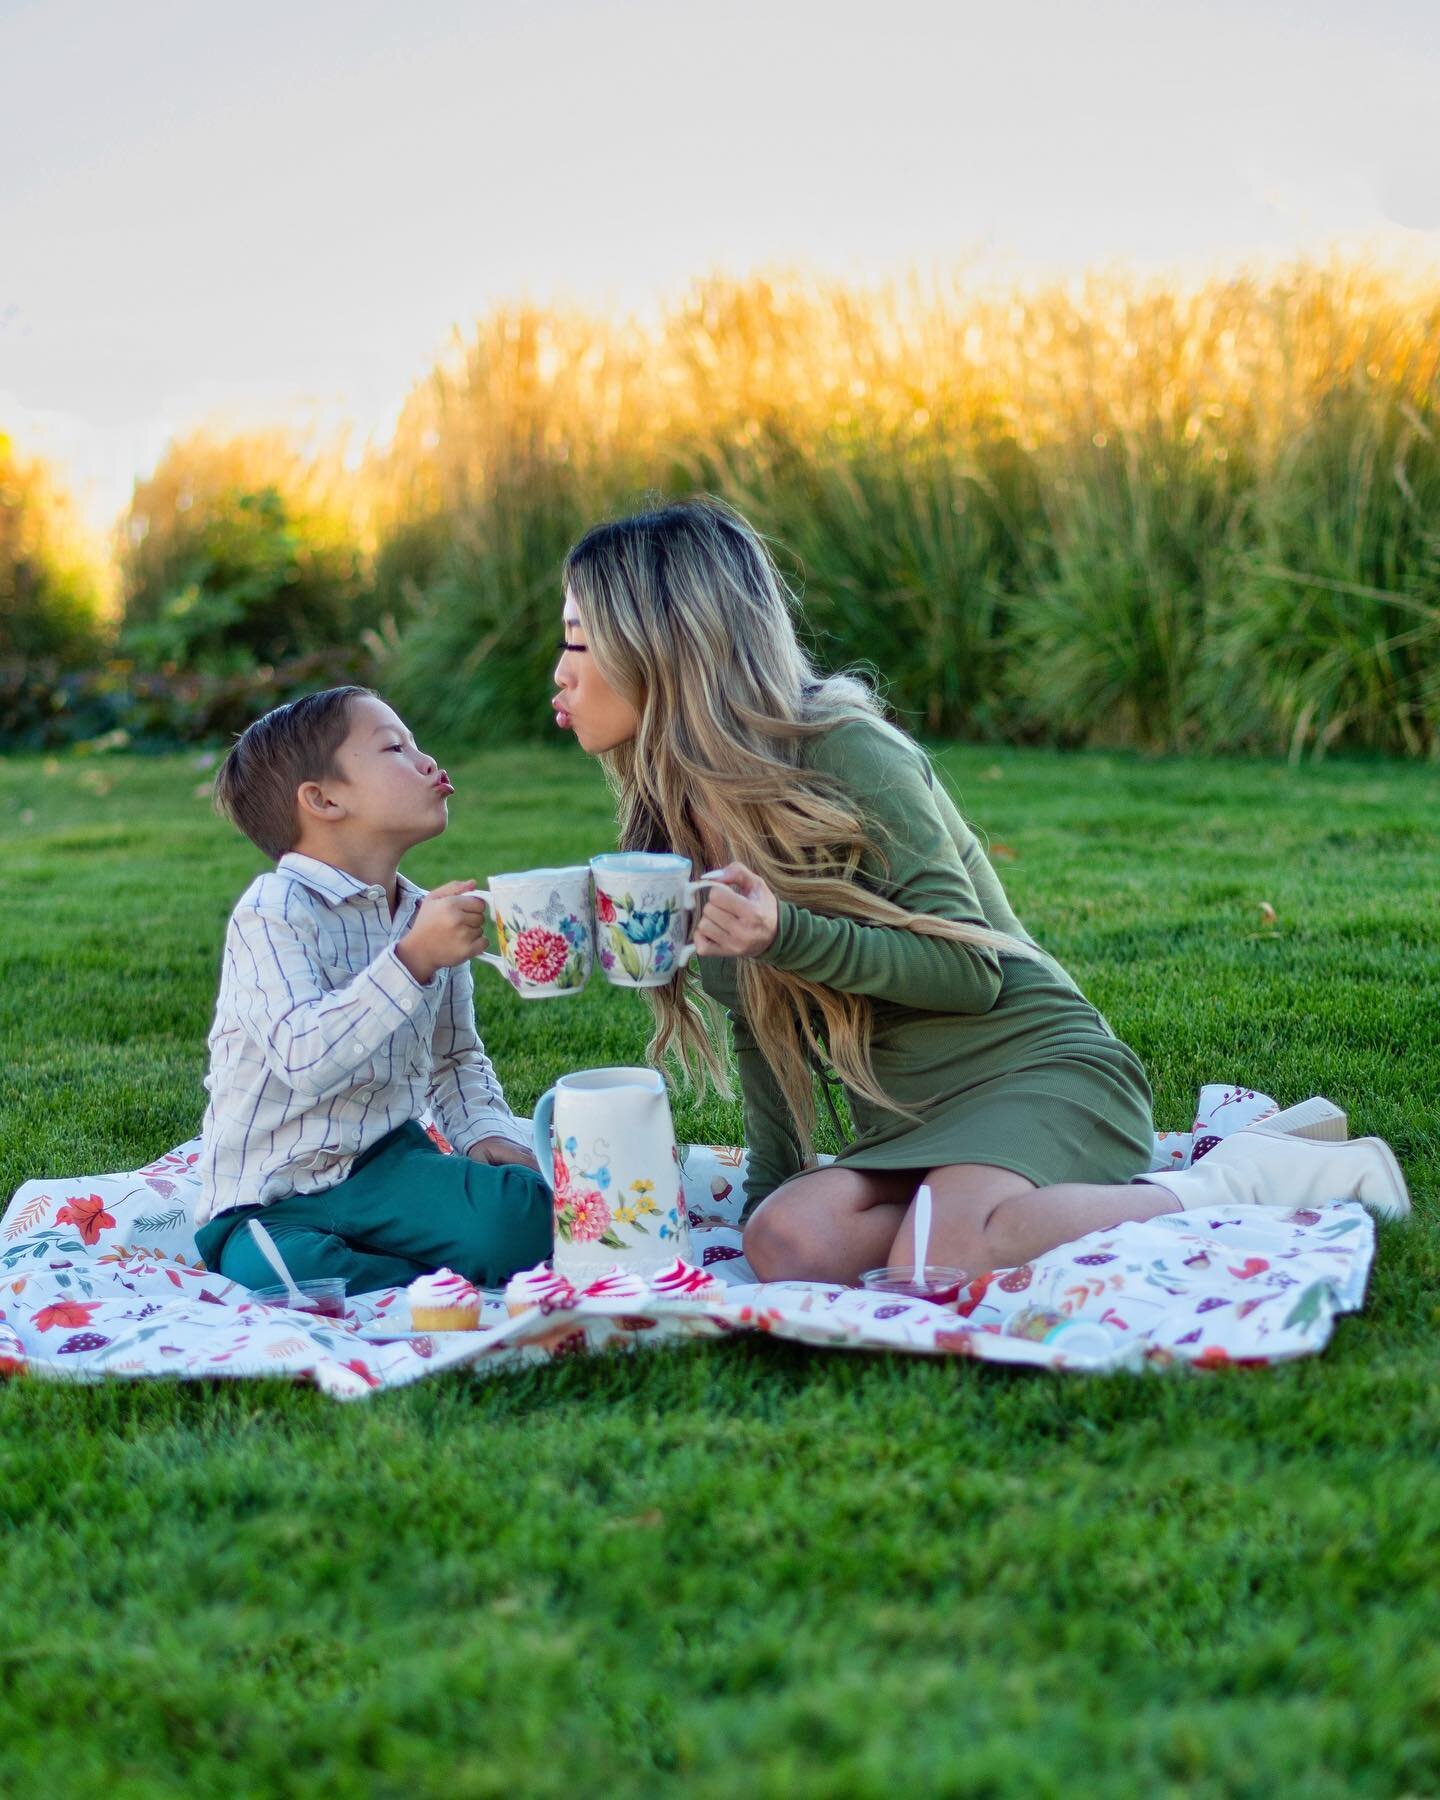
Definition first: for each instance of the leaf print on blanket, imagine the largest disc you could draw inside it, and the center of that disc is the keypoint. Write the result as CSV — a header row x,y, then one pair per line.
x,y
1311,1304
28,1217
38,1248
149,1223
89,1215
64,1312
174,1162
41,1245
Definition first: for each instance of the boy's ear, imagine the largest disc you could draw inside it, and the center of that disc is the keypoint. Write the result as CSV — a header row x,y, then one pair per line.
x,y
312,802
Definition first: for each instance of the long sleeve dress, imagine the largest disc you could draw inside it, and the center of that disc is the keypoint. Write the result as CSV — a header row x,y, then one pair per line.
x,y
1003,1059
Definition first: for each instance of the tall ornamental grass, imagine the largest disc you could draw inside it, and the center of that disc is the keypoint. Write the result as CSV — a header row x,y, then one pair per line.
x,y
1106,512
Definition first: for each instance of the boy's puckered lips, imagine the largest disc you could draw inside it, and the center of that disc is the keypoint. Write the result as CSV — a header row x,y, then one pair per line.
x,y
443,785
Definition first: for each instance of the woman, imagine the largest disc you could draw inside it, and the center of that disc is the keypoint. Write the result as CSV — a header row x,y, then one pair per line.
x,y
859,930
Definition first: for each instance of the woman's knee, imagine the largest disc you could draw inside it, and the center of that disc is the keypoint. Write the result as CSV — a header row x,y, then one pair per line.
x,y
973,1215
776,1245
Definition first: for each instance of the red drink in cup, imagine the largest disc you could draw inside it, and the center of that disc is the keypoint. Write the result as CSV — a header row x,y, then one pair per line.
x,y
936,1282
327,1297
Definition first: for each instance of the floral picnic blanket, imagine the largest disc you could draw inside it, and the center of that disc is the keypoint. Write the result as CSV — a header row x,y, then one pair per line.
x,y
99,1277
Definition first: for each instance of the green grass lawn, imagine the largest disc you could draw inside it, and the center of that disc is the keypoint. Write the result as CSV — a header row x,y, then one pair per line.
x,y
747,1569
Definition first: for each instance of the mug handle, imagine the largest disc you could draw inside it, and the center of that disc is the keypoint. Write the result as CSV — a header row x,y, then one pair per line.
x,y
692,888
489,956
540,1125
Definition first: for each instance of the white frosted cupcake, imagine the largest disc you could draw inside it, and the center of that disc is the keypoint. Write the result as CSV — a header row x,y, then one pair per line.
x,y
683,1281
539,1286
443,1301
616,1284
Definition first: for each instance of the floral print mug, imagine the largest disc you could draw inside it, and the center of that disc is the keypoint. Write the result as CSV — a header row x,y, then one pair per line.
x,y
643,901
545,929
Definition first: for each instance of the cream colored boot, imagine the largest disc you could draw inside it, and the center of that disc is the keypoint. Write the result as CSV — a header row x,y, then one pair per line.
x,y
1316,1117
1257,1168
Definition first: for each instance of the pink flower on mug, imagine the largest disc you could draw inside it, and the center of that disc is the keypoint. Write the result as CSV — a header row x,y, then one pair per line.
x,y
604,907
540,954
592,1216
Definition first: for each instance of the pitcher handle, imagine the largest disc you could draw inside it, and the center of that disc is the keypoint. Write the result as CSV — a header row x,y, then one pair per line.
x,y
540,1125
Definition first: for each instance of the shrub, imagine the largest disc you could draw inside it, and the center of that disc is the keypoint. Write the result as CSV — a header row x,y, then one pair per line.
x,y
45,707
237,553
51,598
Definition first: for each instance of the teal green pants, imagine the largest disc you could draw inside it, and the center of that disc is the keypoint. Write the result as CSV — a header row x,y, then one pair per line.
x,y
404,1209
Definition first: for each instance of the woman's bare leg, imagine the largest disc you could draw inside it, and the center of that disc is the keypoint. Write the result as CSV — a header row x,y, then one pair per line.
x,y
829,1225
987,1218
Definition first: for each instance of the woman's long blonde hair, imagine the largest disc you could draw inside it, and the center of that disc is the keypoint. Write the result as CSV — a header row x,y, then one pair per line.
x,y
689,619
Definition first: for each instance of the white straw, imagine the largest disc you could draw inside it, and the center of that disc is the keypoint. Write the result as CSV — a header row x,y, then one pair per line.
x,y
922,1230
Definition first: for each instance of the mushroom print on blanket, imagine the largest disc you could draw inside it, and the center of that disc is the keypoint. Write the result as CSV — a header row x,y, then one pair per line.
x,y
605,1141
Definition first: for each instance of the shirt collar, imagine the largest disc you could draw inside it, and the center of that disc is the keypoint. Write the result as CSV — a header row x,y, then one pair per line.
x,y
337,885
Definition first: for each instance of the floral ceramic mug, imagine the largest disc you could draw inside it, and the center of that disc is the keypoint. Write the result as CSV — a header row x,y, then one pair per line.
x,y
544,925
643,902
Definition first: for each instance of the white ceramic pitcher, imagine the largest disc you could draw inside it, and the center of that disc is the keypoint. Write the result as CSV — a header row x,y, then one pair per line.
x,y
605,1142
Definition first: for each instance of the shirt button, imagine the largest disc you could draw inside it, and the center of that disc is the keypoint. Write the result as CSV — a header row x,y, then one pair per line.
x,y
375,893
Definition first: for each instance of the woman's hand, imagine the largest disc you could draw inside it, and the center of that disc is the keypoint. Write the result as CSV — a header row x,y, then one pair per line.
x,y
741,914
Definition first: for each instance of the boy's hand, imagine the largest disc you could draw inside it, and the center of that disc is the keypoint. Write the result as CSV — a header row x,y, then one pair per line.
x,y
497,1150
447,930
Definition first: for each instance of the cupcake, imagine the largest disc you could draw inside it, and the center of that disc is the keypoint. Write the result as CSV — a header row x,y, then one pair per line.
x,y
443,1301
539,1286
682,1281
618,1285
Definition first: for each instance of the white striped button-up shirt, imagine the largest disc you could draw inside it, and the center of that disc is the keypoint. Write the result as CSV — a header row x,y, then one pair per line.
x,y
323,1041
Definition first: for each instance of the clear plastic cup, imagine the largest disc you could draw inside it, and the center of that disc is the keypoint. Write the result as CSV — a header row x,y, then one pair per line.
x,y
325,1297
936,1282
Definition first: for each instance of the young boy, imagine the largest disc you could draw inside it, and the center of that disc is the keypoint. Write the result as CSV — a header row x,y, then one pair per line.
x,y
346,1005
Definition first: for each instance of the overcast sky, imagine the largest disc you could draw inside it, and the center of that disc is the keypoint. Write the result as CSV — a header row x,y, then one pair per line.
x,y
280,210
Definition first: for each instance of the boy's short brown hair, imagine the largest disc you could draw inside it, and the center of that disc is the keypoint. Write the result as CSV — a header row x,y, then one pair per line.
x,y
255,785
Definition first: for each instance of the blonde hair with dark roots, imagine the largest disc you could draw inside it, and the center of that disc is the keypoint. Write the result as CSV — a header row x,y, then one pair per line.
x,y
688,618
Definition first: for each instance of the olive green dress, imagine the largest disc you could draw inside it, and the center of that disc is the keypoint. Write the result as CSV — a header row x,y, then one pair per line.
x,y
1003,1059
